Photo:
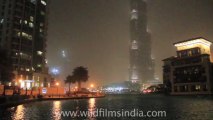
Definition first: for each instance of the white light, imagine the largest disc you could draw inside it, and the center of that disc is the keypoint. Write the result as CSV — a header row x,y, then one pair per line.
x,y
2,20
63,54
43,2
193,42
39,52
55,71
134,14
134,45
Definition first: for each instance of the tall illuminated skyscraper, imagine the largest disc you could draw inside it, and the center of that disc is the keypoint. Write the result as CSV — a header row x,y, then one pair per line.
x,y
141,65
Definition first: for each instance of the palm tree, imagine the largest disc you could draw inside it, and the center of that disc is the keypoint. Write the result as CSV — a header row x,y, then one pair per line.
x,y
70,79
80,74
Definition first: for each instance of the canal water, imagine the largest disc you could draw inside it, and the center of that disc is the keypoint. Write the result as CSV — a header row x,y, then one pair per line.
x,y
127,107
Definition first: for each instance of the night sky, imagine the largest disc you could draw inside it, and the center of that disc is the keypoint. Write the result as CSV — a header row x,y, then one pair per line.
x,y
95,33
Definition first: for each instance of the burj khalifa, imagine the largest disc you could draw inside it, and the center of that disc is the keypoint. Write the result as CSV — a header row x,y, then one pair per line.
x,y
141,64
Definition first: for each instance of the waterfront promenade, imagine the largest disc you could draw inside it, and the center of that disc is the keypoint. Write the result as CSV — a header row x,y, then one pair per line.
x,y
11,101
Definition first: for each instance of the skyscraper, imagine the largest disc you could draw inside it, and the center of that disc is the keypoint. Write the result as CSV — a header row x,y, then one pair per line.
x,y
23,30
141,65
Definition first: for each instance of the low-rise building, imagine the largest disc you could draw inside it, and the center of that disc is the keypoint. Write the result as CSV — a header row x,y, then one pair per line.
x,y
190,72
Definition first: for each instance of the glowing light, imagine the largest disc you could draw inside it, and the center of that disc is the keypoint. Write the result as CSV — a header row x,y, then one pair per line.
x,y
134,45
91,85
57,84
199,41
134,14
20,81
55,71
39,52
63,54
43,2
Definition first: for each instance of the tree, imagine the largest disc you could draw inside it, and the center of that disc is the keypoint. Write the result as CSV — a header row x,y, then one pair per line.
x,y
80,74
6,72
70,79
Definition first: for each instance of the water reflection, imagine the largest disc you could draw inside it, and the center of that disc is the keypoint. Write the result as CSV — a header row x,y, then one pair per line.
x,y
19,113
92,108
56,110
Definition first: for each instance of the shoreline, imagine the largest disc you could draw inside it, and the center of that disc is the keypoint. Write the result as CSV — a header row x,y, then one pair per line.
x,y
26,101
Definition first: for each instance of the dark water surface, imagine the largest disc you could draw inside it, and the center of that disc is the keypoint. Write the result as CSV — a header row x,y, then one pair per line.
x,y
176,107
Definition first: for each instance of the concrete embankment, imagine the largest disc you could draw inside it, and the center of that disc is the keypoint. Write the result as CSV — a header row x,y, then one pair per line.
x,y
11,101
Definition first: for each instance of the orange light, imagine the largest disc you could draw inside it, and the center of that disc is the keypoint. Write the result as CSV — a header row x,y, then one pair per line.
x,y
91,85
20,81
57,84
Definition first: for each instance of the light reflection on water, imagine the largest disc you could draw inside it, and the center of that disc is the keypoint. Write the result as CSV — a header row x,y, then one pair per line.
x,y
56,110
91,108
19,113
179,108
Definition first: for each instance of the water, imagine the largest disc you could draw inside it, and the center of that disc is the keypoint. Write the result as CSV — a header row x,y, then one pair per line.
x,y
176,107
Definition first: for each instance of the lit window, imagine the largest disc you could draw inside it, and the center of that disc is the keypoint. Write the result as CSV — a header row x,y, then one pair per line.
x,y
24,35
134,14
2,20
197,87
46,61
31,25
39,52
134,45
25,22
43,2
20,21
39,65
40,30
28,69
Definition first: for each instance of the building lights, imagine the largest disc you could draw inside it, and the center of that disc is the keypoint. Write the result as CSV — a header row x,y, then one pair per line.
x,y
31,25
199,41
202,44
39,65
2,20
25,22
134,45
134,14
43,2
39,52
23,34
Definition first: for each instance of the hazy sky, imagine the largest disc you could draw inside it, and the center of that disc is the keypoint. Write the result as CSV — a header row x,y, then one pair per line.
x,y
95,33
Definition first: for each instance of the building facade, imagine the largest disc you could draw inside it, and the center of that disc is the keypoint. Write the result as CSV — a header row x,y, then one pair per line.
x,y
141,65
190,72
23,31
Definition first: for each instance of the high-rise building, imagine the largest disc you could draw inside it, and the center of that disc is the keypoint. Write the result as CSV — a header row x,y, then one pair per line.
x,y
23,31
190,72
141,63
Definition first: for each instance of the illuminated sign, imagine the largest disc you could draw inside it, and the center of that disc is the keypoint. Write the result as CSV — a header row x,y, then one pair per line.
x,y
44,90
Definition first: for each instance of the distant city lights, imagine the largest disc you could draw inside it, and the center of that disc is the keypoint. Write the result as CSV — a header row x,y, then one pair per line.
x,y
63,54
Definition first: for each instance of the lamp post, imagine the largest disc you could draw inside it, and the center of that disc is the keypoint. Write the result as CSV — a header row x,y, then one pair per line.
x,y
57,84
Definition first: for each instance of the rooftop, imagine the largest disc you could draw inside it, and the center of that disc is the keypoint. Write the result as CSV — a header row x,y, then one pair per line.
x,y
198,40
